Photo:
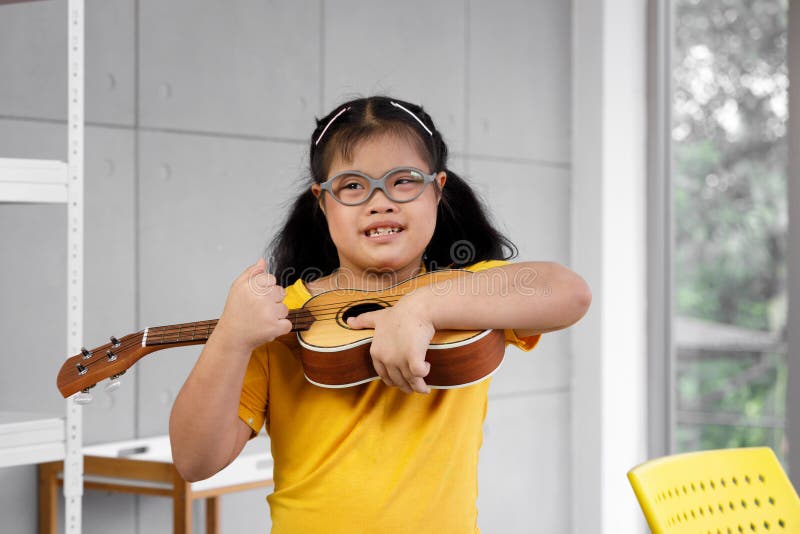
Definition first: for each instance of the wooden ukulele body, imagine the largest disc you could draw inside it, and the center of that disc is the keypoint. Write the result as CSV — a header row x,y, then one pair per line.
x,y
335,355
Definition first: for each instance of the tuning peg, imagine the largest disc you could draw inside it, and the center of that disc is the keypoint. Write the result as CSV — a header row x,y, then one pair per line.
x,y
110,356
86,353
84,397
114,341
113,383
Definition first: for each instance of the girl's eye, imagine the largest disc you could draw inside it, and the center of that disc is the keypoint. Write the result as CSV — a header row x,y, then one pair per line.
x,y
405,179
349,182
349,187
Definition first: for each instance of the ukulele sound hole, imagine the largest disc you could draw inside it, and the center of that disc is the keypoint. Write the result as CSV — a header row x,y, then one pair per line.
x,y
358,309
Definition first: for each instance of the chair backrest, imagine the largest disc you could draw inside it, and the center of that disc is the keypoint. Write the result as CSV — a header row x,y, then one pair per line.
x,y
730,491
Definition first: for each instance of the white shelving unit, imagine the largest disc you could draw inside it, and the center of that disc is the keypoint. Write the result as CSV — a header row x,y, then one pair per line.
x,y
26,438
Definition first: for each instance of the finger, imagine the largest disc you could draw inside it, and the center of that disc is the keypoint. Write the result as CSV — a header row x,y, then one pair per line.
x,y
413,374
365,320
262,284
382,372
398,379
419,368
266,279
278,293
258,267
417,384
285,326
250,272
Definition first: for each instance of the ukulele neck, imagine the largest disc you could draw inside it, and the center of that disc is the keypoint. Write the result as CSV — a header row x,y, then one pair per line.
x,y
197,333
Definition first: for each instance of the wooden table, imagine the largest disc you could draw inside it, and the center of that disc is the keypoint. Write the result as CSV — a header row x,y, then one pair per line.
x,y
145,467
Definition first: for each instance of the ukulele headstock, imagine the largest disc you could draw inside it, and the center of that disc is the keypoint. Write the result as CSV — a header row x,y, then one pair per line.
x,y
83,371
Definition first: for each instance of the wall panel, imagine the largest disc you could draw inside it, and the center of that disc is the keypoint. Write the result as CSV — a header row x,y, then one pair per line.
x,y
246,67
33,60
410,50
524,465
519,79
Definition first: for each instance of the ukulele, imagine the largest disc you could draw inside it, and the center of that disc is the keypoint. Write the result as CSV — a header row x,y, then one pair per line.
x,y
333,355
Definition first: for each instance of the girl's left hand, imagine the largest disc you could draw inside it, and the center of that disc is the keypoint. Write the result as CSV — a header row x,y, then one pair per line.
x,y
399,344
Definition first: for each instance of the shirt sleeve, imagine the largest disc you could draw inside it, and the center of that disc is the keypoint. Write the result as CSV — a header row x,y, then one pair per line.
x,y
254,398
525,343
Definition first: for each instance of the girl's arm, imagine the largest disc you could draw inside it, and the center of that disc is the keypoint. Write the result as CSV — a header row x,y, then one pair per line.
x,y
204,428
205,431
529,297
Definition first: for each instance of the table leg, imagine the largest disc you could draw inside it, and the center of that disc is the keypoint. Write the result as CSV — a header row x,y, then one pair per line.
x,y
212,515
181,505
48,496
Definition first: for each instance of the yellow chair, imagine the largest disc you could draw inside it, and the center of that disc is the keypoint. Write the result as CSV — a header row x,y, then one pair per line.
x,y
731,491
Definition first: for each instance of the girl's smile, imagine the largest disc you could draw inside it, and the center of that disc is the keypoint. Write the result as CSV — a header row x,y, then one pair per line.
x,y
383,231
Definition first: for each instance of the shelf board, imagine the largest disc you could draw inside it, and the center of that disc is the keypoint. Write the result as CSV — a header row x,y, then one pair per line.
x,y
30,438
33,180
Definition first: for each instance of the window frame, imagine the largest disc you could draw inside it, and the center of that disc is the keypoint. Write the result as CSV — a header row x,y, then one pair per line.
x,y
793,242
660,231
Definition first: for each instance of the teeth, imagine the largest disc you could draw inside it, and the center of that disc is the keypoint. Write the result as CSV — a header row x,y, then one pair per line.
x,y
382,231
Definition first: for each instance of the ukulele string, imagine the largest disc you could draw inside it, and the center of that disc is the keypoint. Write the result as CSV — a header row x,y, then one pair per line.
x,y
135,339
323,312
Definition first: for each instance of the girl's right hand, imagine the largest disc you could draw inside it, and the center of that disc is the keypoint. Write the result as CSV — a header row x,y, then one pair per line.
x,y
254,312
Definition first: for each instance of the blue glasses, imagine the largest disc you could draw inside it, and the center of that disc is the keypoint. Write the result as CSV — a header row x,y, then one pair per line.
x,y
402,184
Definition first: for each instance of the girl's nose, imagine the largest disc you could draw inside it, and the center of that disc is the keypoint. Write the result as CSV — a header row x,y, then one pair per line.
x,y
379,202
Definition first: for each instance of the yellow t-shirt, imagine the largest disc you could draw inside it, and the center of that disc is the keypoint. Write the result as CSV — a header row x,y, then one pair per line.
x,y
367,458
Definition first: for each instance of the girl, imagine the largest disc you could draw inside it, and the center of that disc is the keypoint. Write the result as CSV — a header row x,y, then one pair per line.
x,y
390,455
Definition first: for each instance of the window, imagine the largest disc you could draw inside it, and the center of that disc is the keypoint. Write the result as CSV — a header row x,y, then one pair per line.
x,y
730,223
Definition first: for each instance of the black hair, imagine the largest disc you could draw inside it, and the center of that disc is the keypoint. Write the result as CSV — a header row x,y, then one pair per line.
x,y
464,233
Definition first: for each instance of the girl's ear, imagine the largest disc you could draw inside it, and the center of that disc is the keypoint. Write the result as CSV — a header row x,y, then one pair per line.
x,y
316,190
440,180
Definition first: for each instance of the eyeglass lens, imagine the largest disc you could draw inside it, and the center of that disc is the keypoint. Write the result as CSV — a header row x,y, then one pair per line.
x,y
401,186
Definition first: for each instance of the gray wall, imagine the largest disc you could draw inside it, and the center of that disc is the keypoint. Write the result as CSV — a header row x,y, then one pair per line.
x,y
198,113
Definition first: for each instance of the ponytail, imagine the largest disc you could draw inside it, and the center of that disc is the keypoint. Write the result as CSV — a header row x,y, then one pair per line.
x,y
303,248
464,233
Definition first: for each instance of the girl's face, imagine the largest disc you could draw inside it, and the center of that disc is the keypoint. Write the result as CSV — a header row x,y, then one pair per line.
x,y
399,252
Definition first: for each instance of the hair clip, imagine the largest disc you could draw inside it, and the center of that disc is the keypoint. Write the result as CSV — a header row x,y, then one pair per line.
x,y
328,125
395,104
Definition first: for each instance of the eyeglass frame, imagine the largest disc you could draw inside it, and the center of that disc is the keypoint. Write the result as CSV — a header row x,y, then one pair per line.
x,y
378,183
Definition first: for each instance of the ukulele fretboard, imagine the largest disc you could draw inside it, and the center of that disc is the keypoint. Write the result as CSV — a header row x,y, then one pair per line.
x,y
200,331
